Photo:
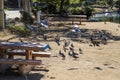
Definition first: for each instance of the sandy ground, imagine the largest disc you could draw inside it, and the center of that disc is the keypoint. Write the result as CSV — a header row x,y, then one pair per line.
x,y
96,63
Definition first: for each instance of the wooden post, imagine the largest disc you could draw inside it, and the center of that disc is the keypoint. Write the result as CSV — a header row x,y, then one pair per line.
x,y
2,18
72,20
29,54
80,20
24,69
27,6
2,53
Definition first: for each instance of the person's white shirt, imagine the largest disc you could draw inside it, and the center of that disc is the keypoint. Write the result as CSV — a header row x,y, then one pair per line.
x,y
106,12
76,29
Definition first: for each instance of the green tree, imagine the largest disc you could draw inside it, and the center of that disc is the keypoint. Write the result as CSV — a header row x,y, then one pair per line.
x,y
64,7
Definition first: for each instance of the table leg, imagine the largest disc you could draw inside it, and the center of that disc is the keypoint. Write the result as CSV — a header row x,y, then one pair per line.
x,y
72,21
34,58
2,53
28,54
80,21
24,69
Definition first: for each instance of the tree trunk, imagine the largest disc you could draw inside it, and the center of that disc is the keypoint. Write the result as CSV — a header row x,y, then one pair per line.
x,y
27,6
61,7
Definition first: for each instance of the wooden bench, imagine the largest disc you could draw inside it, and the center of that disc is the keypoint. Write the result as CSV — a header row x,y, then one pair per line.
x,y
20,61
12,53
25,66
73,18
77,18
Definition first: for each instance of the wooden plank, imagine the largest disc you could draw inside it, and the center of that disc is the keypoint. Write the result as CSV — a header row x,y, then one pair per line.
x,y
57,15
41,54
20,61
73,18
34,54
24,46
77,16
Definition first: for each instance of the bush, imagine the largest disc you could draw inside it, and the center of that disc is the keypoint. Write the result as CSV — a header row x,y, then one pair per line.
x,y
88,11
75,10
20,30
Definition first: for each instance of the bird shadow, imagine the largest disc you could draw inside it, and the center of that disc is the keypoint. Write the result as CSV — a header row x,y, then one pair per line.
x,y
98,68
72,68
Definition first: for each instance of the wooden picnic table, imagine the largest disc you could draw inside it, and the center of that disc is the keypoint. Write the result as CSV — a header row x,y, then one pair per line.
x,y
28,47
77,17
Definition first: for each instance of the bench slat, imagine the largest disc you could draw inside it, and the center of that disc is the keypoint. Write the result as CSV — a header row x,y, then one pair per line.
x,y
34,54
41,54
20,61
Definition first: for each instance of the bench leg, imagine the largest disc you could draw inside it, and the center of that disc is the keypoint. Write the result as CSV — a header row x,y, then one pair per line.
x,y
33,58
72,21
3,53
10,57
80,21
24,69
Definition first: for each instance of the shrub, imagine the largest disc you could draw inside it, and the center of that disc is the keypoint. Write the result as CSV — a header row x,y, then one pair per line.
x,y
20,30
88,11
75,10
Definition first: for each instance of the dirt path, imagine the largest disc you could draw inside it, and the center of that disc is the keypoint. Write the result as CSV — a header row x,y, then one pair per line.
x,y
96,63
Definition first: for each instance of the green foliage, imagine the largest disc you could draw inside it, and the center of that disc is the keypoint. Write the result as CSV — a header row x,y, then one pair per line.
x,y
55,5
88,11
117,3
21,30
74,1
75,10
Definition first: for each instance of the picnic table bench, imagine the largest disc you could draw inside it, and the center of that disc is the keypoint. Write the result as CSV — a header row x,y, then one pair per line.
x,y
25,65
20,61
12,53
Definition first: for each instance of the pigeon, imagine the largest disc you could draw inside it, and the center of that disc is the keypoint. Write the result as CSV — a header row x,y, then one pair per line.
x,y
71,48
94,42
44,36
65,48
80,50
75,55
20,40
72,45
62,55
66,43
57,40
70,53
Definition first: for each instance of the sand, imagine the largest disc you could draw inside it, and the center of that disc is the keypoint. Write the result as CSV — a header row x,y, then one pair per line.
x,y
96,63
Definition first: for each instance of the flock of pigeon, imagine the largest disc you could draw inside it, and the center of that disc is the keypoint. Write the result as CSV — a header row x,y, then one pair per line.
x,y
67,46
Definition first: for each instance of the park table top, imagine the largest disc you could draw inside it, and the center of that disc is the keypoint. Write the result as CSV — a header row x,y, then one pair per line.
x,y
24,45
